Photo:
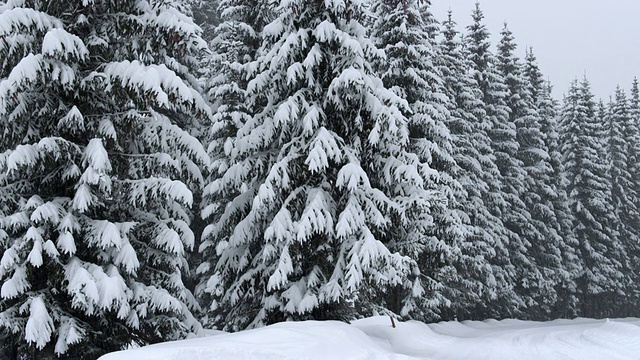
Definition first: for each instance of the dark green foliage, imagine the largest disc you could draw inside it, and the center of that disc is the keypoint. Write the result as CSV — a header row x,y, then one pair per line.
x,y
98,164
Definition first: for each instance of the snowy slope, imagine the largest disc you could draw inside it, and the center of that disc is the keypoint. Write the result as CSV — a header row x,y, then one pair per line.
x,y
373,338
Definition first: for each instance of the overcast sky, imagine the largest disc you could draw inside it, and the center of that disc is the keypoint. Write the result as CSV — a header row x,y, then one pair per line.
x,y
569,37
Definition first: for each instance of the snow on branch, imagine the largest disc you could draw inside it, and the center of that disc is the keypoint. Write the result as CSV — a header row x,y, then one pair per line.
x,y
30,70
82,286
96,157
60,44
16,285
105,235
317,216
19,18
73,121
155,188
284,268
352,176
168,240
324,147
280,229
29,155
39,327
69,333
171,20
154,82
172,136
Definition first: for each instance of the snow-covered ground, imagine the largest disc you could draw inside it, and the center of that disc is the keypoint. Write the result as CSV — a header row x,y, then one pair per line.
x,y
374,338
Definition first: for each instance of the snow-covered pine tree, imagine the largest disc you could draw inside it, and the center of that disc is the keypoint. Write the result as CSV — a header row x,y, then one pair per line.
x,y
633,135
234,46
431,231
619,250
559,223
621,134
475,286
589,192
236,40
634,114
315,171
97,153
537,281
8,343
505,201
634,168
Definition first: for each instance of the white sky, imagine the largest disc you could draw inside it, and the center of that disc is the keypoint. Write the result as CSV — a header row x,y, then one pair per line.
x,y
569,37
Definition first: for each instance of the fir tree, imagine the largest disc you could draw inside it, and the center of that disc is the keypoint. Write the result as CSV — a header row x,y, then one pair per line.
x,y
432,234
624,198
559,223
314,177
235,43
96,154
589,193
633,136
505,201
538,279
633,139
475,286
234,46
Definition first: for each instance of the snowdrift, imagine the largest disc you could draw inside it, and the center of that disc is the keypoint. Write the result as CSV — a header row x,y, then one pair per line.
x,y
374,338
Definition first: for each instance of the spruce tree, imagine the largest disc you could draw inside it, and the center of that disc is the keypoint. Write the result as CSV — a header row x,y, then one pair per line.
x,y
406,32
634,112
317,178
505,202
235,43
236,40
553,193
633,136
589,192
536,223
476,286
621,134
98,158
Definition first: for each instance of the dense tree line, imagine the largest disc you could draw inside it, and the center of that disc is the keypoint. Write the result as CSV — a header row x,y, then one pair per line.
x,y
296,160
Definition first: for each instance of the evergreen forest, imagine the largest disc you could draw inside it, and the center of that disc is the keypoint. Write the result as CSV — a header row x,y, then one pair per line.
x,y
168,166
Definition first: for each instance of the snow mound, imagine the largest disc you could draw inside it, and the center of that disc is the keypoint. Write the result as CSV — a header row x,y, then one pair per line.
x,y
374,338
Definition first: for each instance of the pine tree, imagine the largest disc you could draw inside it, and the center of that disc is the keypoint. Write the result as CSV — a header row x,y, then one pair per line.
x,y
633,134
624,198
235,42
234,47
560,235
475,286
314,178
539,278
634,114
406,32
505,202
97,156
589,194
